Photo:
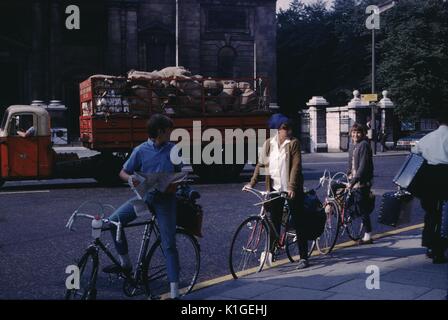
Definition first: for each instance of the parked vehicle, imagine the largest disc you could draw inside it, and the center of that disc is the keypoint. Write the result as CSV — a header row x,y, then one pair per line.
x,y
108,127
409,142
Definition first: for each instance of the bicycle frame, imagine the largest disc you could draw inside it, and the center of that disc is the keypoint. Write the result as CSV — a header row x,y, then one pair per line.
x,y
330,196
264,197
150,227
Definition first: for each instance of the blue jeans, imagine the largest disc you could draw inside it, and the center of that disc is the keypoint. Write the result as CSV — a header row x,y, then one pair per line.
x,y
164,207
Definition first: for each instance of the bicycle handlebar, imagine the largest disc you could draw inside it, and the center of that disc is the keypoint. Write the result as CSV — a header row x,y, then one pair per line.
x,y
77,214
262,195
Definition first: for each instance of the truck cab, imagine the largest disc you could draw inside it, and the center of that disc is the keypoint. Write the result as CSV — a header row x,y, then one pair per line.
x,y
25,157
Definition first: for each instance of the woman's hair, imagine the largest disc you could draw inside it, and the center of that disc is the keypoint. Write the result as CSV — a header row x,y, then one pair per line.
x,y
278,120
357,127
286,125
157,123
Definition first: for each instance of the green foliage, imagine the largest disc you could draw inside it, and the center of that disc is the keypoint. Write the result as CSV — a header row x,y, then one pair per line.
x,y
414,57
328,52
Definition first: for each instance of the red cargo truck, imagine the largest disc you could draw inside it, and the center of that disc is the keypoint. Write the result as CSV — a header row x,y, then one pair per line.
x,y
113,117
113,123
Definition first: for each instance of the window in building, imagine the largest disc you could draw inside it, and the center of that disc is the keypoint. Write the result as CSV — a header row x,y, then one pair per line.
x,y
220,19
226,62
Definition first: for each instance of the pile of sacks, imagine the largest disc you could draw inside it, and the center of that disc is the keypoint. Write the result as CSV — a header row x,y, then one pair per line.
x,y
173,90
182,93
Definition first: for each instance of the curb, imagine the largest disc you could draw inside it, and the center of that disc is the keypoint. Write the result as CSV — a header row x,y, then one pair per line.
x,y
348,244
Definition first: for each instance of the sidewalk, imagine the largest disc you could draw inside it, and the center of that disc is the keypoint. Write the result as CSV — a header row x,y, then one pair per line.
x,y
405,274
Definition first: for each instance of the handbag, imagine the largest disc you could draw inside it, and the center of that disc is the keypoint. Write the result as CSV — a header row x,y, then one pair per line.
x,y
395,208
444,221
407,177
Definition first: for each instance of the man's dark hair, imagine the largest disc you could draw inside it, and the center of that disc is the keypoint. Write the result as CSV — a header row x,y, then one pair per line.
x,y
158,123
358,128
442,117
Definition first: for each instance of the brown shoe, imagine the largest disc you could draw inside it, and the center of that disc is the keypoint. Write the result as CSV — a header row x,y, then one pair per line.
x,y
364,242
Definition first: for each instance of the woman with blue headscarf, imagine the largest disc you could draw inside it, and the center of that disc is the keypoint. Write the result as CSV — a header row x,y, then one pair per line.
x,y
282,161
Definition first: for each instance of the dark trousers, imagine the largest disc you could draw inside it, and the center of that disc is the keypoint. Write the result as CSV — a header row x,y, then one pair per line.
x,y
361,199
431,237
295,206
365,193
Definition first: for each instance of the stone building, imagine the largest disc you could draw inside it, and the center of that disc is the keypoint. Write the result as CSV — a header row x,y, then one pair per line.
x,y
40,59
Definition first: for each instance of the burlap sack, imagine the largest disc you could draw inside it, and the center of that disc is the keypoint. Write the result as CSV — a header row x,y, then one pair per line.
x,y
212,87
170,72
188,86
229,87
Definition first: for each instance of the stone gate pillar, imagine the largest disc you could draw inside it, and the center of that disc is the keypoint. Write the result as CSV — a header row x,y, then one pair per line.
x,y
358,110
318,124
387,121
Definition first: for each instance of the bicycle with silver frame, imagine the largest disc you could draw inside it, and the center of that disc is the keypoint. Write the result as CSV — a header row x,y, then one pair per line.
x,y
251,244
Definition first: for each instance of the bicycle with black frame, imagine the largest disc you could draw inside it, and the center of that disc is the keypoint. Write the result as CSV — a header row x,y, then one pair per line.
x,y
252,245
150,276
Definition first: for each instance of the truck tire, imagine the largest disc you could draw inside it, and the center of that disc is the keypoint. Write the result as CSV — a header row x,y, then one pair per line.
x,y
107,169
2,182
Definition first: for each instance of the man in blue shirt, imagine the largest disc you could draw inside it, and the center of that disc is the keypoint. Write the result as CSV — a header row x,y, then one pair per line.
x,y
152,156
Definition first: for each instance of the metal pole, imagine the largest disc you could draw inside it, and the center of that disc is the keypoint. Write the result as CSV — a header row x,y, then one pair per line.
x,y
255,66
373,115
373,60
177,33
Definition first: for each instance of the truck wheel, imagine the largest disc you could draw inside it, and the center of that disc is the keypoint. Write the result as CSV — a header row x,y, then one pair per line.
x,y
2,182
107,170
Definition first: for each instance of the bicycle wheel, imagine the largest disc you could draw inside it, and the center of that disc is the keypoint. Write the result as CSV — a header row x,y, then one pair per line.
x,y
327,240
88,271
292,249
154,271
250,240
355,228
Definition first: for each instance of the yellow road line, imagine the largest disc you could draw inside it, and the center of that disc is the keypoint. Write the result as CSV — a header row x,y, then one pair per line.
x,y
347,244
24,192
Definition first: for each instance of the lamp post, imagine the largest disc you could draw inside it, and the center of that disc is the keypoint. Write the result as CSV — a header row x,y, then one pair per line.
x,y
177,33
373,23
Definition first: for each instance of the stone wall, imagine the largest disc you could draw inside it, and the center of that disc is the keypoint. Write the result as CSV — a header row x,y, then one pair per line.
x,y
119,35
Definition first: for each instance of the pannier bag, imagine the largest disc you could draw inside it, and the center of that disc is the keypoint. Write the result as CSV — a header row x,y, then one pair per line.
x,y
189,216
314,218
395,208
